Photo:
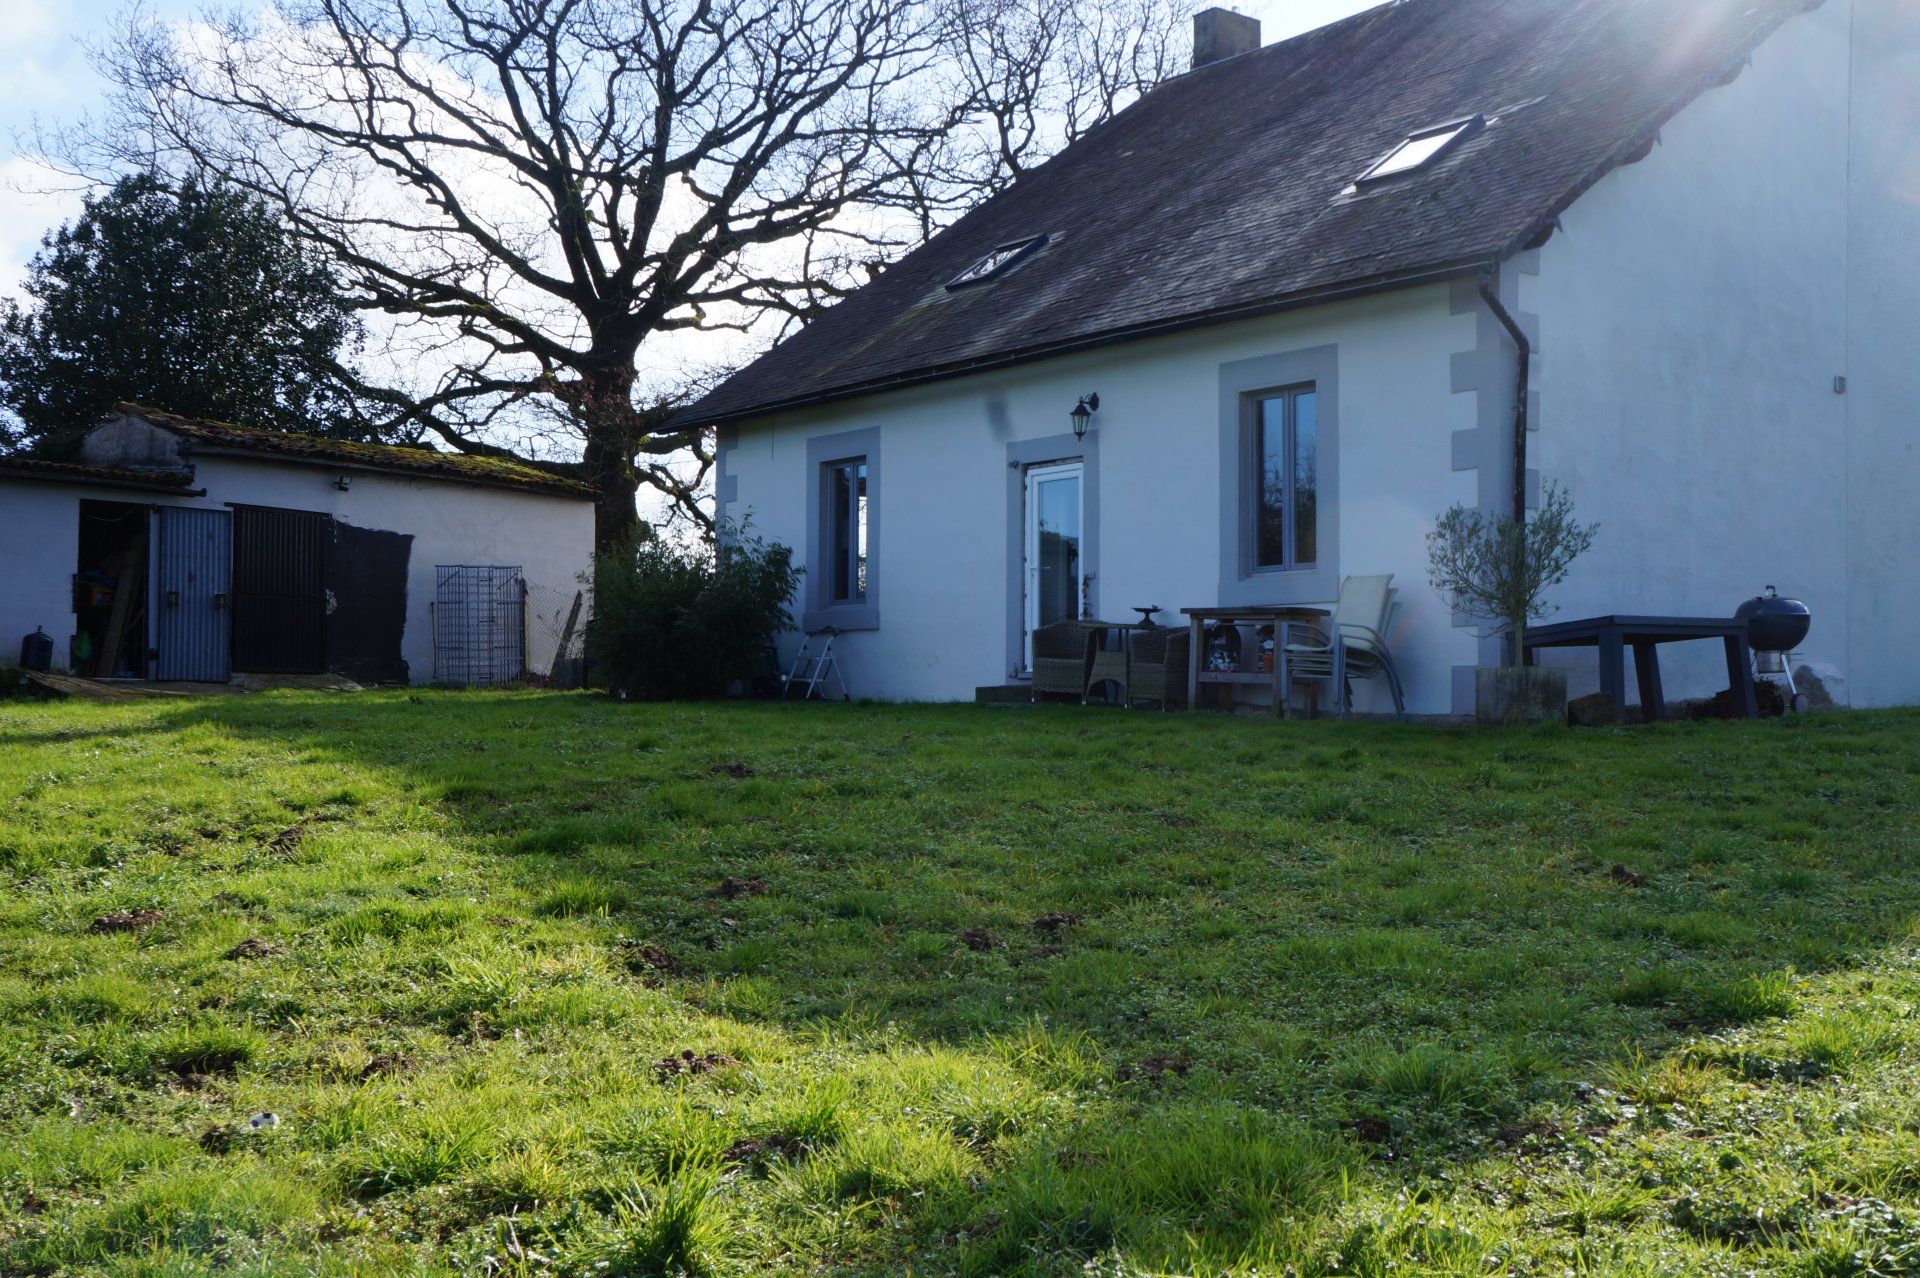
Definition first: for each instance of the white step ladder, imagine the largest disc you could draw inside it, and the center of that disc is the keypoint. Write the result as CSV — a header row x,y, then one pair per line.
x,y
813,665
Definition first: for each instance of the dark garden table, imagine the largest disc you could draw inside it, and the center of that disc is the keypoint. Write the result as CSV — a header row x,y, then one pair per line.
x,y
1614,635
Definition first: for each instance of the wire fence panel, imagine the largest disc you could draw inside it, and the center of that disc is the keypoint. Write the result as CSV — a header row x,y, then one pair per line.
x,y
479,624
556,627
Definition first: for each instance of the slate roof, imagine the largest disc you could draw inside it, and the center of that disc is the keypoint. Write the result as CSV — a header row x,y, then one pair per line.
x,y
426,463
166,481
1225,192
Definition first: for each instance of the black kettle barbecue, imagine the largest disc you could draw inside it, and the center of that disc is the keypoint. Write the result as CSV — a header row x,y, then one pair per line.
x,y
1775,627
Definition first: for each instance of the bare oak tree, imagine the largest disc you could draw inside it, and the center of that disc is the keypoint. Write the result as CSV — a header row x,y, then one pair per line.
x,y
545,196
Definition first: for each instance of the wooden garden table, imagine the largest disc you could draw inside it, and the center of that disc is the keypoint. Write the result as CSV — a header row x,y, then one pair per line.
x,y
1262,615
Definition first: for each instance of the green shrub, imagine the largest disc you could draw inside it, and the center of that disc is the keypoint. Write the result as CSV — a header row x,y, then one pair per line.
x,y
673,623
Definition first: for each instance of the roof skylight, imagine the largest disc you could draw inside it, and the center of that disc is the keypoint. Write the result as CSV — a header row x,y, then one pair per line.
x,y
997,262
1421,149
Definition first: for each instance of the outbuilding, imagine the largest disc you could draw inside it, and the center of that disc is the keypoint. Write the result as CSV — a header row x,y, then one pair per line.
x,y
179,549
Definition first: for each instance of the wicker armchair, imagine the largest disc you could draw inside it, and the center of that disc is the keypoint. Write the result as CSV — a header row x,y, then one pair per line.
x,y
1159,666
1062,658
1109,671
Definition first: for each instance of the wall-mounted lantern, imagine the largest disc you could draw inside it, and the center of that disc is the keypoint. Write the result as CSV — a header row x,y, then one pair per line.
x,y
1083,414
343,482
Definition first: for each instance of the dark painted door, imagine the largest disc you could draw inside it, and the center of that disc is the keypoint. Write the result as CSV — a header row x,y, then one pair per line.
x,y
192,620
367,580
280,590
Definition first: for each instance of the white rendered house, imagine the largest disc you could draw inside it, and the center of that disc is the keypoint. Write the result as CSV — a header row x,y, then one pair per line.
x,y
1295,278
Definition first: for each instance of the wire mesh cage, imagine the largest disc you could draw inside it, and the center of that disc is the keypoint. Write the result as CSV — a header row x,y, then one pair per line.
x,y
479,624
556,627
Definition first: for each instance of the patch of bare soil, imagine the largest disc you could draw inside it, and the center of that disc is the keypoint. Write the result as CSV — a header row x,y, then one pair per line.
x,y
1516,1134
476,1025
731,888
127,920
217,1140
765,1149
1155,1068
288,840
978,939
1626,878
651,962
256,947
738,771
1055,923
386,1063
689,1064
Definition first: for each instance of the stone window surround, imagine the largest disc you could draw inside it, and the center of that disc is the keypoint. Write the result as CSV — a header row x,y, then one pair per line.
x,y
1242,384
820,610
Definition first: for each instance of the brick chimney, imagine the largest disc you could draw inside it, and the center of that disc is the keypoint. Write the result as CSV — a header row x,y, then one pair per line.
x,y
1222,33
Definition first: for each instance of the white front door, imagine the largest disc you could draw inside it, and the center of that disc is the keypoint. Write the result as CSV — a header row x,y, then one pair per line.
x,y
1053,547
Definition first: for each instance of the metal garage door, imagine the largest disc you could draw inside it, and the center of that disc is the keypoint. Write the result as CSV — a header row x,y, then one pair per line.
x,y
279,590
192,563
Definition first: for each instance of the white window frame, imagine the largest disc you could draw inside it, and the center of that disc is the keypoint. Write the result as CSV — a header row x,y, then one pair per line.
x,y
1451,135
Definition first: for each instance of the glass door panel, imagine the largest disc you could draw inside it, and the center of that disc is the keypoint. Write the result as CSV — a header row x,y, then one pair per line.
x,y
1053,545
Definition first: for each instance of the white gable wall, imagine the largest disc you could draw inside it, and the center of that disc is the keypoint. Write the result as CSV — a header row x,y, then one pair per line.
x,y
1694,311
1883,353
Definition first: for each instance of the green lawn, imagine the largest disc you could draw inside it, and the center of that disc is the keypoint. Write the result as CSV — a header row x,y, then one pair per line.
x,y
542,984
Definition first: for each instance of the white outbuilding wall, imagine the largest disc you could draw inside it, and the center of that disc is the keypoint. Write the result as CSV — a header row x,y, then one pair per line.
x,y
39,549
550,538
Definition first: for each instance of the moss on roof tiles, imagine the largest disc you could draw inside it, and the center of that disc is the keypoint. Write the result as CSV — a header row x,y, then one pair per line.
x,y
397,458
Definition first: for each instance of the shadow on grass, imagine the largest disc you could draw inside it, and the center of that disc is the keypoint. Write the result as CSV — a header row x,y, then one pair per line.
x,y
1266,955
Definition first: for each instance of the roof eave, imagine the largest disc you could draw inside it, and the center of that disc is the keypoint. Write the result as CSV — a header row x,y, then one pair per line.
x,y
554,488
123,484
692,419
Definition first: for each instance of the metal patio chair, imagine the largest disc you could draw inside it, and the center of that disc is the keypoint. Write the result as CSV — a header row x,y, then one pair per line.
x,y
1351,645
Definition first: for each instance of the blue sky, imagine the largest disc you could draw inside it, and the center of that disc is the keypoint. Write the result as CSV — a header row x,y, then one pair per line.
x,y
45,77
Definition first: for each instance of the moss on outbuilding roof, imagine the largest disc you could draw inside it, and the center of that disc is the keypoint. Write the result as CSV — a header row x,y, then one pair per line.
x,y
429,463
105,476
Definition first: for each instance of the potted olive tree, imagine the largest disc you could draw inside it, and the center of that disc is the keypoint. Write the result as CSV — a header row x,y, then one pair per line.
x,y
1497,570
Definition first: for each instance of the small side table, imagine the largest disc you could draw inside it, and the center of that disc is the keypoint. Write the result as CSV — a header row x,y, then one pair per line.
x,y
1114,665
1197,675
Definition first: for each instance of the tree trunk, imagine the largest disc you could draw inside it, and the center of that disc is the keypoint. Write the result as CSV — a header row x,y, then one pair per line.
x,y
610,470
612,429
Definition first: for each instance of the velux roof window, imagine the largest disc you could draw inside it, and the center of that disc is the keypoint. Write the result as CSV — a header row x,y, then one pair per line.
x,y
1422,149
998,262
